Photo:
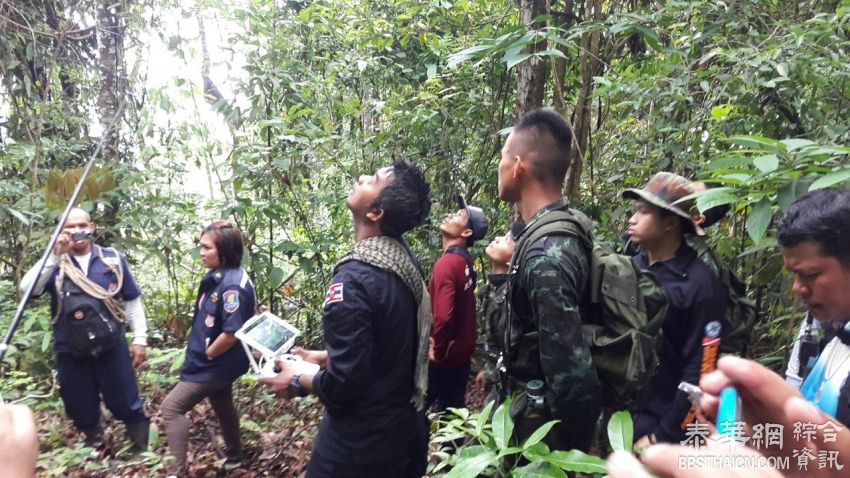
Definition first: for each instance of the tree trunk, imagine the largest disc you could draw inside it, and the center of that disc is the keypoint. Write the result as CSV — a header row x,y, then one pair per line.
x,y
591,66
531,74
110,46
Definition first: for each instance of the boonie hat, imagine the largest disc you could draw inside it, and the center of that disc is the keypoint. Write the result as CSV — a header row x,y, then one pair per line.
x,y
664,189
477,220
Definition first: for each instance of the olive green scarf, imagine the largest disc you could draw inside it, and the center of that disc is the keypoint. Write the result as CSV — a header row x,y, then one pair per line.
x,y
390,255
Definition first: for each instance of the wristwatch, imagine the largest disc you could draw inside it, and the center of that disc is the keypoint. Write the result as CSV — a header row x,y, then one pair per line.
x,y
295,388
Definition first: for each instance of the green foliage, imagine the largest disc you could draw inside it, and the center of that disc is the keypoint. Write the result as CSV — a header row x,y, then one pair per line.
x,y
770,175
718,71
750,95
621,431
61,184
490,448
57,461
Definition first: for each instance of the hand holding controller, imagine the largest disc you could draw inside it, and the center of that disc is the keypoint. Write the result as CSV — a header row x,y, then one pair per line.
x,y
300,365
269,370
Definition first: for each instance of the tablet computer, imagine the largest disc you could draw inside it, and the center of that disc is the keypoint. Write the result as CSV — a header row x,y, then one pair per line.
x,y
269,334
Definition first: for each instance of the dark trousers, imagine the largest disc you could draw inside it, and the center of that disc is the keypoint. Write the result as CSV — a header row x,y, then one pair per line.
x,y
412,464
182,398
447,387
83,381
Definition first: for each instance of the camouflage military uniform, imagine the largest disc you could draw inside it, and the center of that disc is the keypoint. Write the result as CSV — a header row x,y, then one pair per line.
x,y
545,338
492,306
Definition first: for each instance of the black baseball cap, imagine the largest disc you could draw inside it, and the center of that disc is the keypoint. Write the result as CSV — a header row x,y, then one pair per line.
x,y
477,220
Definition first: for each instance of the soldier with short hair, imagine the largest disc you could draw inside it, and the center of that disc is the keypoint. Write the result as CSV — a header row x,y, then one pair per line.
x,y
542,337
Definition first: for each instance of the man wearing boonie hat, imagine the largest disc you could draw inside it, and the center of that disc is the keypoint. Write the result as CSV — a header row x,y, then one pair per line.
x,y
697,303
452,290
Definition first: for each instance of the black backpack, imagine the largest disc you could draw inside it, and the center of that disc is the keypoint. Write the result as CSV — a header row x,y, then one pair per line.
x,y
741,314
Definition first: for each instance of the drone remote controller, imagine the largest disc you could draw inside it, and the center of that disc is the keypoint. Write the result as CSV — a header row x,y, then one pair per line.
x,y
270,367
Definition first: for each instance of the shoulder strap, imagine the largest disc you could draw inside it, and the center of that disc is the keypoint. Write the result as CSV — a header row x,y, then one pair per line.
x,y
553,222
466,257
116,268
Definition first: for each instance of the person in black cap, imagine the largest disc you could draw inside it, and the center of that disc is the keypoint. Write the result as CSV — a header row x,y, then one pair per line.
x,y
452,290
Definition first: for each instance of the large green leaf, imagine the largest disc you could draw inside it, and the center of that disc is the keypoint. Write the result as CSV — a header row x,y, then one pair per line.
x,y
791,192
467,54
794,144
539,470
515,58
18,214
767,163
738,163
462,413
503,425
536,452
621,431
831,179
472,465
275,277
483,418
511,450
711,197
737,178
759,220
758,143
539,434
575,460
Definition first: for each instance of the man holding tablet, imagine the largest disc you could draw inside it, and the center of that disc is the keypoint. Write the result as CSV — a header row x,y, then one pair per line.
x,y
376,322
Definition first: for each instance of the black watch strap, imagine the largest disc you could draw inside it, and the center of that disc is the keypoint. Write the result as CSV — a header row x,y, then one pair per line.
x,y
295,388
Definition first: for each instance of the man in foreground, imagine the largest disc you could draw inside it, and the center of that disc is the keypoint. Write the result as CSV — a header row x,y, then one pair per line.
x,y
377,322
812,235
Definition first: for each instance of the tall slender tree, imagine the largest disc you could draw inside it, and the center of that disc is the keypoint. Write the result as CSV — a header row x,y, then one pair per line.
x,y
531,74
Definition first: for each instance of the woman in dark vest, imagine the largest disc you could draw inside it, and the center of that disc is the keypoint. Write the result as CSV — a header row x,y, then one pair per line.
x,y
214,357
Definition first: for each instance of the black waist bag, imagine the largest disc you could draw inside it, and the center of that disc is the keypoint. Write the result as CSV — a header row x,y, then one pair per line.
x,y
92,330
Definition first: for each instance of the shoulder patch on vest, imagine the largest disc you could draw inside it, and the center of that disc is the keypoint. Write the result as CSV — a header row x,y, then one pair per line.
x,y
231,301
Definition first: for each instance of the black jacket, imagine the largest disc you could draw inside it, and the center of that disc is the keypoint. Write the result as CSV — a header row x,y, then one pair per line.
x,y
370,328
697,303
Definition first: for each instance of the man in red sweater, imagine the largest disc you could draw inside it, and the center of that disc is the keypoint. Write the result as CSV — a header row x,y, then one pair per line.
x,y
452,290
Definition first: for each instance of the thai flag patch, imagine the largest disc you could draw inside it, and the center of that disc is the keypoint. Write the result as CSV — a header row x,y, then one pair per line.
x,y
334,293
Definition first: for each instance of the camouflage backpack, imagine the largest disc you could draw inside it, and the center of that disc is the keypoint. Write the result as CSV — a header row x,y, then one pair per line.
x,y
740,311
622,314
